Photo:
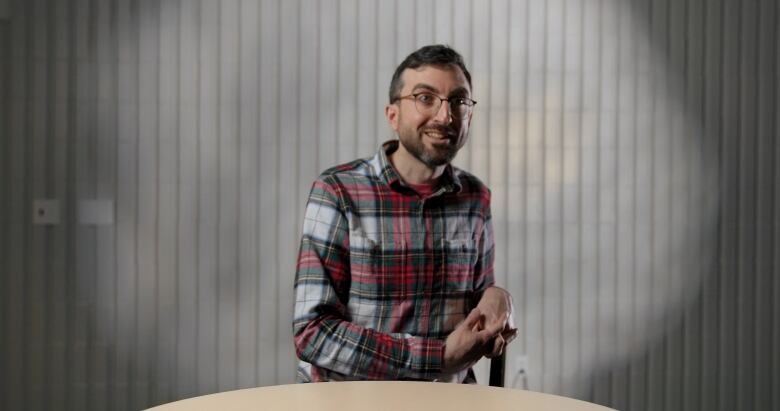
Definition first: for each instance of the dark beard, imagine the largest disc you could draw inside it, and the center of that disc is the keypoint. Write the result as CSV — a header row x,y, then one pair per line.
x,y
434,157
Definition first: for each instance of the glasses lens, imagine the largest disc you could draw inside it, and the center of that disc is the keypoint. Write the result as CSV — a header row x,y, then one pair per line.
x,y
459,108
429,104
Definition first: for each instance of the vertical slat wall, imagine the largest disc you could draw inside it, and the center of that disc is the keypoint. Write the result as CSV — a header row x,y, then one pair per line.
x,y
630,146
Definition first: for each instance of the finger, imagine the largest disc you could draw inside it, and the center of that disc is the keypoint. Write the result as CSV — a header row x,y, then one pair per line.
x,y
495,327
509,335
473,318
496,347
478,325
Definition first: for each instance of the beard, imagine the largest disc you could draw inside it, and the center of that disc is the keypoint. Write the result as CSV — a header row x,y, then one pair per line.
x,y
435,156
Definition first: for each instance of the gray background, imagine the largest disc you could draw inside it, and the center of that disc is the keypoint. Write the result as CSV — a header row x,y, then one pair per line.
x,y
630,146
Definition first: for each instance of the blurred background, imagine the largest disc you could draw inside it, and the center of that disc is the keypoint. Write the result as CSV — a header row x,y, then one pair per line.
x,y
155,160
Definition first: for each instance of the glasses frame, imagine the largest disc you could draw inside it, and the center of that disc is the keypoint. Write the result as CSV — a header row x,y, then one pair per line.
x,y
414,96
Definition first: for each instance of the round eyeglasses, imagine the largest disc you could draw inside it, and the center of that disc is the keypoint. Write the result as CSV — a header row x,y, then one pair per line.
x,y
428,104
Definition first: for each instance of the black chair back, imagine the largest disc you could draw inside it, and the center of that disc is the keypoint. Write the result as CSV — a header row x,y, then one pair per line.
x,y
497,366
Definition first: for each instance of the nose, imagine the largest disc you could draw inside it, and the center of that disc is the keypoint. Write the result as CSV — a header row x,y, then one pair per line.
x,y
444,115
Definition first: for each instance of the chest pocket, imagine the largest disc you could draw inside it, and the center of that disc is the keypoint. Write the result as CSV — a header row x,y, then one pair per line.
x,y
460,258
378,267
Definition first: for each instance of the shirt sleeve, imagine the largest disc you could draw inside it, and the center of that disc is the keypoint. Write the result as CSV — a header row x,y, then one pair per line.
x,y
323,334
483,271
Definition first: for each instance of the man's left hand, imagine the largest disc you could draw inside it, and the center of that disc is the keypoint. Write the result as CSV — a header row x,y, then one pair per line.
x,y
494,305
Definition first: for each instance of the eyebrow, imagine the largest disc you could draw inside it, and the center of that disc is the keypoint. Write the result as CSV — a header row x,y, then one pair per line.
x,y
460,91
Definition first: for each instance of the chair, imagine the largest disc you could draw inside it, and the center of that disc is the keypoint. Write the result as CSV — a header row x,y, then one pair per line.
x,y
497,366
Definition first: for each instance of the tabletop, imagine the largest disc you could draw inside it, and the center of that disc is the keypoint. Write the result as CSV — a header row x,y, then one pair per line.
x,y
380,395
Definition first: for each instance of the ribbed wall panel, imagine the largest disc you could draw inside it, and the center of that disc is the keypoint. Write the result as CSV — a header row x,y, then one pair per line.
x,y
631,148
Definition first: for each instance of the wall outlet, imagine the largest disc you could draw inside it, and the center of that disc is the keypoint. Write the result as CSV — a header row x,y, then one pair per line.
x,y
46,212
521,364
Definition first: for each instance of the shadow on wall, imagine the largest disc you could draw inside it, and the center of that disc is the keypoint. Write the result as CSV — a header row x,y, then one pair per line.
x,y
655,236
700,330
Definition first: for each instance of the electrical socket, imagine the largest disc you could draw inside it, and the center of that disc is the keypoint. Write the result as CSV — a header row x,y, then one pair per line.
x,y
521,364
46,211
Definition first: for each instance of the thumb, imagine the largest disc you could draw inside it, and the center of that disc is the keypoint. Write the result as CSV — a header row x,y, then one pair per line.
x,y
473,318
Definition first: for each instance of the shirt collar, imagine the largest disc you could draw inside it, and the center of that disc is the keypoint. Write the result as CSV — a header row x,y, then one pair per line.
x,y
386,172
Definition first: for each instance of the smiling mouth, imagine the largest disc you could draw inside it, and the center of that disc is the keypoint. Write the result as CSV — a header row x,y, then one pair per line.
x,y
439,137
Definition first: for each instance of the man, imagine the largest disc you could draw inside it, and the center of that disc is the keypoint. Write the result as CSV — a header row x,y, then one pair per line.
x,y
395,271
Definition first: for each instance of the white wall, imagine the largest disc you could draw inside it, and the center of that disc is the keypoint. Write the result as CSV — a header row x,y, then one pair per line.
x,y
630,146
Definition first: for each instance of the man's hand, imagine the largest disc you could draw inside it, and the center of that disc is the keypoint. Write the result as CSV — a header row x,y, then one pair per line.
x,y
497,303
472,339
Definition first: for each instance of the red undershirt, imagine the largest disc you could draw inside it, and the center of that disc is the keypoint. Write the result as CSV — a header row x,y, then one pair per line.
x,y
424,190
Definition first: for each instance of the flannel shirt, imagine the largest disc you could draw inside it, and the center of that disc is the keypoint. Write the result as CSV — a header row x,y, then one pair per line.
x,y
384,276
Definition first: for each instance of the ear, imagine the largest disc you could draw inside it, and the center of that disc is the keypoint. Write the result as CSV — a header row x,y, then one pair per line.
x,y
391,113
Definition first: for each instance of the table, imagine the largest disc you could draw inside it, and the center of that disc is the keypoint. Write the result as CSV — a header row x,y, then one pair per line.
x,y
379,395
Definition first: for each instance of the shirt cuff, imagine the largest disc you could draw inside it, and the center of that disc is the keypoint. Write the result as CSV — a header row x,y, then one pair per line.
x,y
427,358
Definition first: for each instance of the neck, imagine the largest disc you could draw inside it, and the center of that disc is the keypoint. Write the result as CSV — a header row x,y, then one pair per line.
x,y
412,170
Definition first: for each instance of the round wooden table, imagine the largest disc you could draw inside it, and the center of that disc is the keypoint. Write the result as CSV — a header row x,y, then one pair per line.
x,y
379,395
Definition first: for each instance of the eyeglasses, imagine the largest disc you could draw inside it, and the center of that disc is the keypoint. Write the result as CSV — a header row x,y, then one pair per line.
x,y
428,104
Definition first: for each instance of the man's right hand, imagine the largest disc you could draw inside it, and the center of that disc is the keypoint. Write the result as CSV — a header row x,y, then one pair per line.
x,y
471,340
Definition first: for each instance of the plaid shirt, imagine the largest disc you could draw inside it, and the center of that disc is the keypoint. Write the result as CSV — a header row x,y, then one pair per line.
x,y
383,276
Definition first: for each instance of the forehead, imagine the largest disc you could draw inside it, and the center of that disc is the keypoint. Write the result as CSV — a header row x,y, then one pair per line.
x,y
440,79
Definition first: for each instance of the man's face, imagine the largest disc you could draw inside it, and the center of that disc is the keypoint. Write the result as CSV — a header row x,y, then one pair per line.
x,y
433,139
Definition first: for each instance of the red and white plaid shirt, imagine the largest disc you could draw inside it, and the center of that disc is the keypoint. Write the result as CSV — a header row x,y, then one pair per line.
x,y
384,275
